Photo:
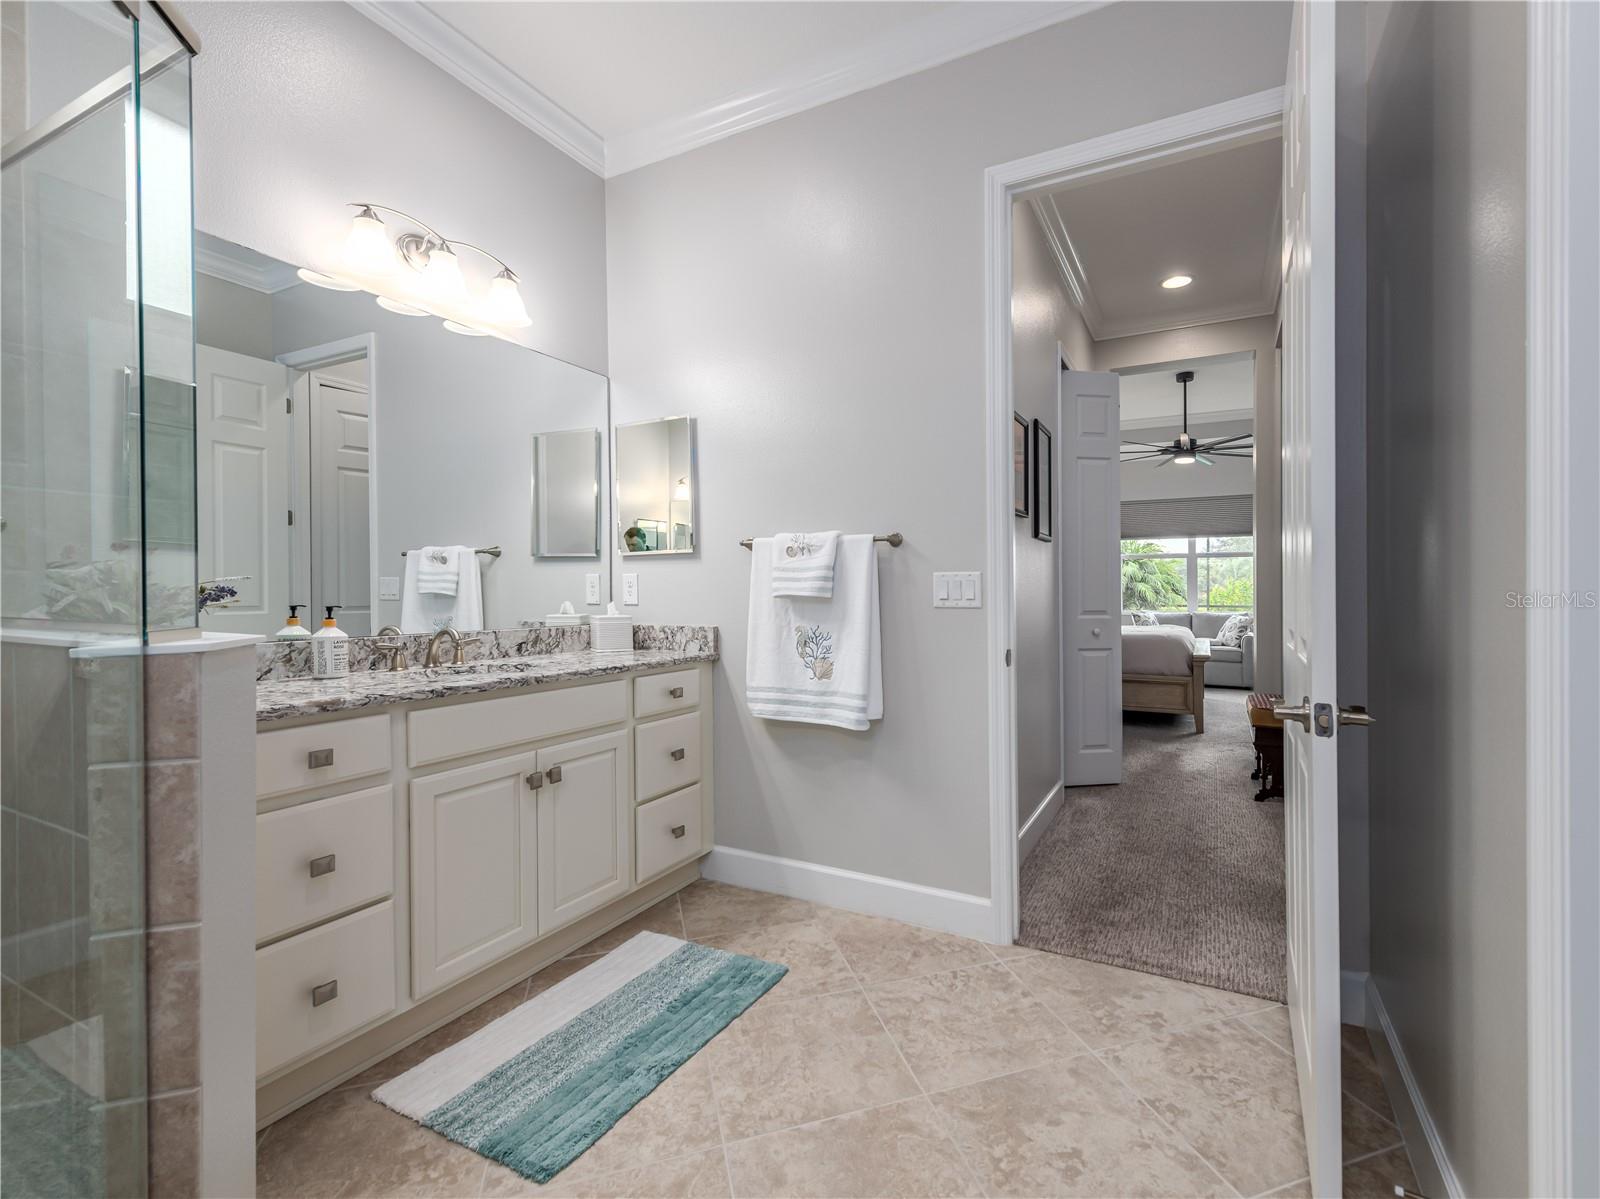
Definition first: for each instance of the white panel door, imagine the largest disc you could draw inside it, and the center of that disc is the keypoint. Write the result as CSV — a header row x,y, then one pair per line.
x,y
242,486
1090,519
585,827
474,868
341,560
1311,763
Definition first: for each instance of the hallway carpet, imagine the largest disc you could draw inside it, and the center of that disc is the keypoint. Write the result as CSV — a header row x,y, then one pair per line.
x,y
1177,871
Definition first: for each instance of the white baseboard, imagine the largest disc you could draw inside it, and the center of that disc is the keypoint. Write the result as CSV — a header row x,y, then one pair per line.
x,y
930,907
1435,1174
1041,818
1353,997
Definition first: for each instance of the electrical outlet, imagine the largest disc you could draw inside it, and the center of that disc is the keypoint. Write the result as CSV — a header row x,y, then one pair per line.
x,y
591,587
388,588
630,589
958,589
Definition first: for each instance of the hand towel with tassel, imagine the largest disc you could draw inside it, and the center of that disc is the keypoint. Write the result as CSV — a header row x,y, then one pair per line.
x,y
817,660
428,612
802,563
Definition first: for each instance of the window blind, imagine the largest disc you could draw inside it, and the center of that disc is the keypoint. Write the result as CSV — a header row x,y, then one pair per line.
x,y
1195,516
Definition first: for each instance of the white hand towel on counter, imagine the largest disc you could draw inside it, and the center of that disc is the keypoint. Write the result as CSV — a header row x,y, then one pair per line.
x,y
802,563
428,612
816,660
439,568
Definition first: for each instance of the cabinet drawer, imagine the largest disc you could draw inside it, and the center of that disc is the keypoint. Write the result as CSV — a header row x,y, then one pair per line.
x,y
346,749
355,953
667,755
318,859
438,734
667,832
653,694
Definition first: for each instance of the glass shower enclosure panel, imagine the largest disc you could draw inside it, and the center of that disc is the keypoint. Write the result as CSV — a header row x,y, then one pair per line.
x,y
96,558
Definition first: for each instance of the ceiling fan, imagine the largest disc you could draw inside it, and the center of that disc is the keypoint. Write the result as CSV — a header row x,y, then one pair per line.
x,y
1186,450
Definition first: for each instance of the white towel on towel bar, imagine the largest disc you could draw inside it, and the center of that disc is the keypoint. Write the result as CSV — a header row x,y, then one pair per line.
x,y
426,612
802,563
438,568
816,660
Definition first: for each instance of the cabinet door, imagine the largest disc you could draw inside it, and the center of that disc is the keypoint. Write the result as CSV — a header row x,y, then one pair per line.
x,y
474,868
585,834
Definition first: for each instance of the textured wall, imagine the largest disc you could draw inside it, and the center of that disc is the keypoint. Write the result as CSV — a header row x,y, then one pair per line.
x,y
812,291
301,108
1446,488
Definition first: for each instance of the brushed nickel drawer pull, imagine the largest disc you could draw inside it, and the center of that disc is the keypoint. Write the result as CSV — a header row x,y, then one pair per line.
x,y
678,830
319,758
675,693
677,755
325,992
535,781
323,865
553,774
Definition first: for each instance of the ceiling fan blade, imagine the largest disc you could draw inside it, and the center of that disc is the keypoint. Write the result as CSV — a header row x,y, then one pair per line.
x,y
1149,445
1203,460
1232,453
1139,457
1166,461
1221,441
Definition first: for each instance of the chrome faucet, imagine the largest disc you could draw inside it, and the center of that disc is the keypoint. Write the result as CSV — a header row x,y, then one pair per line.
x,y
456,639
395,649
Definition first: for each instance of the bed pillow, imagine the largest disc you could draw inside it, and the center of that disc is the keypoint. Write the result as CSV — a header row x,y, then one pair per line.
x,y
1144,619
1235,628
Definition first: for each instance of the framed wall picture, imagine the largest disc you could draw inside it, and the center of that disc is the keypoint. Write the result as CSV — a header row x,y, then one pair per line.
x,y
1044,483
1020,482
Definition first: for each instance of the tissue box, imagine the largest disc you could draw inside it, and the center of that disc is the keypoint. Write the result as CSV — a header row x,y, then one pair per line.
x,y
610,634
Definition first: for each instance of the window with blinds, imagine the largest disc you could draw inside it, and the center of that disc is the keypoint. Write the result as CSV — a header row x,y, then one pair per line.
x,y
1196,516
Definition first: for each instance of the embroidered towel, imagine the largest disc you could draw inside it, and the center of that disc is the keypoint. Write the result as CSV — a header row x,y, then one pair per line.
x,y
802,563
817,660
428,612
438,567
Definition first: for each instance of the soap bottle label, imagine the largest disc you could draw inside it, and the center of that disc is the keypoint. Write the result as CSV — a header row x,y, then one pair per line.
x,y
330,657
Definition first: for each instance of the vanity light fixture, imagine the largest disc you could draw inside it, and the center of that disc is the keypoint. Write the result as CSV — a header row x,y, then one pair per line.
x,y
1175,281
434,283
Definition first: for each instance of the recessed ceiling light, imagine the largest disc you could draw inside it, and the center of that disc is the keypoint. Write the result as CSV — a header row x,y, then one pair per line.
x,y
1172,281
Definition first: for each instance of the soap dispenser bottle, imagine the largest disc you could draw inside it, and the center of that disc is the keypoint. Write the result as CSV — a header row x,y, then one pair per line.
x,y
330,649
294,630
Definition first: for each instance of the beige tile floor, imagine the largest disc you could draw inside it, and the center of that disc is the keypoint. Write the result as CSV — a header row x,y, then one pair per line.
x,y
894,1061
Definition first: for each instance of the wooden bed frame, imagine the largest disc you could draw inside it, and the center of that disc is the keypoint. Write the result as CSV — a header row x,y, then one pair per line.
x,y
1175,693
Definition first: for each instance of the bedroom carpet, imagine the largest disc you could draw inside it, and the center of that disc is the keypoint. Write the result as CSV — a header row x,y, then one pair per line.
x,y
1177,871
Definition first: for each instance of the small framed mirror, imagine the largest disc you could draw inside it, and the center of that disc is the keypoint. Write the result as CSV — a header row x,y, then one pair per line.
x,y
654,467
566,494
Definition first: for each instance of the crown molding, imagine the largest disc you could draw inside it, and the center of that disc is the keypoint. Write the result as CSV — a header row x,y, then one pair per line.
x,y
442,44
947,35
271,279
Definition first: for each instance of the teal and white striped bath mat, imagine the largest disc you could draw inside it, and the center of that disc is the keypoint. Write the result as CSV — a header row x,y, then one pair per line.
x,y
548,1079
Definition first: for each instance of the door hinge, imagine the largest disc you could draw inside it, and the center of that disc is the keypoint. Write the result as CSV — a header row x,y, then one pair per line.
x,y
288,405
291,516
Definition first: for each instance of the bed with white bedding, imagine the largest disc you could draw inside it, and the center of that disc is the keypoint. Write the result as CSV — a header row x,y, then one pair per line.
x,y
1164,670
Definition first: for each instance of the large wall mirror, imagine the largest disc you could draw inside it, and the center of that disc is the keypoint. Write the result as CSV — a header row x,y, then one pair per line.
x,y
655,491
336,439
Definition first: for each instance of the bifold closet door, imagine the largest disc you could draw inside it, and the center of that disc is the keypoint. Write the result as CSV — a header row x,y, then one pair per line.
x,y
1091,578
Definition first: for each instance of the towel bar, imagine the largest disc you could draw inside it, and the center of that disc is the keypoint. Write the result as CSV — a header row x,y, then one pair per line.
x,y
894,539
493,551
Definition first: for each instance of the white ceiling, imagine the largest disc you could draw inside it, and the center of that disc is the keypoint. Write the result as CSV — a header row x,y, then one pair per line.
x,y
1214,217
621,83
1223,389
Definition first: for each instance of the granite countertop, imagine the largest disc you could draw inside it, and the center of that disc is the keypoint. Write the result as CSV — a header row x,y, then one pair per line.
x,y
283,699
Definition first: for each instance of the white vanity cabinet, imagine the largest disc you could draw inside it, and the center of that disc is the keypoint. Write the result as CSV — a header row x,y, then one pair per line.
x,y
446,836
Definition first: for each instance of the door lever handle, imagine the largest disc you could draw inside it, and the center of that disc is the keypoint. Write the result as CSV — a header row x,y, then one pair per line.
x,y
1300,713
1356,714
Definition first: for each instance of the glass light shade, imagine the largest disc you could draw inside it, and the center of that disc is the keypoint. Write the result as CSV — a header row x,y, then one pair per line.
x,y
681,491
331,282
367,248
402,309
441,278
465,330
504,305
1186,458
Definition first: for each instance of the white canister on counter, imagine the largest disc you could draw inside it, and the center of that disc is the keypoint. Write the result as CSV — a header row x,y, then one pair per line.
x,y
330,649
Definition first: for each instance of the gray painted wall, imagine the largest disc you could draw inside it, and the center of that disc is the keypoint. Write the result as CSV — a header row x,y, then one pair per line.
x,y
231,317
812,291
1043,319
1446,116
1258,335
302,108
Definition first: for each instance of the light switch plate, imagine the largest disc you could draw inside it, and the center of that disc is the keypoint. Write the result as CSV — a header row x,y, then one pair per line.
x,y
630,589
388,587
958,589
591,587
